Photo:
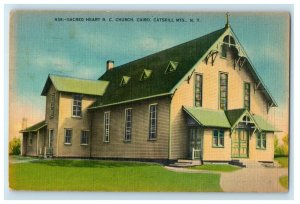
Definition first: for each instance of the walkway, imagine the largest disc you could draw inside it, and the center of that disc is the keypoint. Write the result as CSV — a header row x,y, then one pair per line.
x,y
253,180
259,179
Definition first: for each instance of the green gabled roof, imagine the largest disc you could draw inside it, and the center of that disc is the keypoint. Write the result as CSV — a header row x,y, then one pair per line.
x,y
159,83
224,119
35,127
234,115
263,124
208,118
74,85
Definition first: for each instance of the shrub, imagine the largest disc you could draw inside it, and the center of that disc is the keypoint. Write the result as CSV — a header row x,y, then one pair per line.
x,y
284,148
15,146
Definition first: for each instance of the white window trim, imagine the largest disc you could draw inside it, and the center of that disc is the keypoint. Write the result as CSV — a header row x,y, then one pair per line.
x,y
149,121
85,144
260,147
72,108
49,136
194,88
106,131
219,140
125,126
68,143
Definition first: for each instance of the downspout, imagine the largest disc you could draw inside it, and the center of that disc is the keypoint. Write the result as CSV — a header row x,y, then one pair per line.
x,y
57,134
170,128
91,132
37,142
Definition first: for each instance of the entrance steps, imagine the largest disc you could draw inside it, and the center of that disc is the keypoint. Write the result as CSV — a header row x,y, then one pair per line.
x,y
186,163
250,163
237,163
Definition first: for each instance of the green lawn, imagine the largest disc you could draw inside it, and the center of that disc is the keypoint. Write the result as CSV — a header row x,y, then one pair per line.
x,y
217,167
95,175
283,161
284,181
19,158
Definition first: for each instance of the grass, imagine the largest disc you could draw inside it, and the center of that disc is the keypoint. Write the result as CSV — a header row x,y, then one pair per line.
x,y
95,175
284,181
283,161
217,167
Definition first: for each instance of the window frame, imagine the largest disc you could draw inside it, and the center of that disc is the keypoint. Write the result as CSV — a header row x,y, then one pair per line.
x,y
261,138
150,130
77,106
201,89
52,105
30,139
218,138
87,137
126,128
106,125
50,137
220,94
65,136
249,96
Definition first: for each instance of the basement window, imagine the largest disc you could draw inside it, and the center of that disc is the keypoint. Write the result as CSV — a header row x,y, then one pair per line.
x,y
171,67
124,81
146,74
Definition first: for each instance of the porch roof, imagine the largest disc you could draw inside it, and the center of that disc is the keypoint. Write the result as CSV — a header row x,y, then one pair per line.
x,y
35,127
263,124
225,119
207,117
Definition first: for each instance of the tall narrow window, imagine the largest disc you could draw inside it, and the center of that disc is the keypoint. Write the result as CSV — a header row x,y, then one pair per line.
x,y
106,126
223,91
30,139
52,101
261,140
51,137
68,136
218,138
84,140
198,90
128,124
153,122
247,96
77,103
224,49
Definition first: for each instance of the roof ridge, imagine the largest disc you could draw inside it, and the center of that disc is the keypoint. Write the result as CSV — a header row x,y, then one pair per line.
x,y
160,51
76,78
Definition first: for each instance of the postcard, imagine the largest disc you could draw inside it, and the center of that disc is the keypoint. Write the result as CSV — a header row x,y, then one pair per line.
x,y
113,101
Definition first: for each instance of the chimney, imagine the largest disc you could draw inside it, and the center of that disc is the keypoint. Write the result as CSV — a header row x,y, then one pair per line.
x,y
24,123
109,65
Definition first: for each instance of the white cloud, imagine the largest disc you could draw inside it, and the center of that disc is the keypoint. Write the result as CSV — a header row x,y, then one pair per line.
x,y
94,41
60,63
154,44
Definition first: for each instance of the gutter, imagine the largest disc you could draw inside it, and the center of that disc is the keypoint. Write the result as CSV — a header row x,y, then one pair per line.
x,y
134,100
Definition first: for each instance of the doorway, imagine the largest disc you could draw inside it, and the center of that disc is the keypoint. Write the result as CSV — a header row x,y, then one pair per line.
x,y
240,143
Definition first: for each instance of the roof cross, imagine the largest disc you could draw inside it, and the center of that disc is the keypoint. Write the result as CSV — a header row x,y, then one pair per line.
x,y
227,20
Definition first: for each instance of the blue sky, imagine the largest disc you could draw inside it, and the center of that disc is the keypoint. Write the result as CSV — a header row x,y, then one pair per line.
x,y
80,49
